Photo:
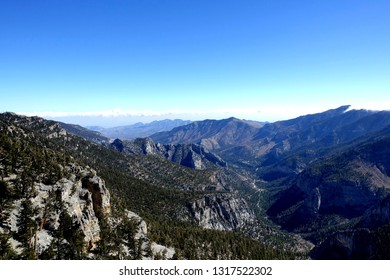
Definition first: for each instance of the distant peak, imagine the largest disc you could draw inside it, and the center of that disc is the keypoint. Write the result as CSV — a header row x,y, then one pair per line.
x,y
231,119
342,109
345,107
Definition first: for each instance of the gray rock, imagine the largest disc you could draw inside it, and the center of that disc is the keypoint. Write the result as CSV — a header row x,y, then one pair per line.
x,y
189,155
222,212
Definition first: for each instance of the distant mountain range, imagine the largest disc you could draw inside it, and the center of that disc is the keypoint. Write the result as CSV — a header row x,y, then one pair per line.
x,y
138,130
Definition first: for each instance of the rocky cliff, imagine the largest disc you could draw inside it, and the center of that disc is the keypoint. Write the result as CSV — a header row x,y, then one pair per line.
x,y
189,155
224,211
82,196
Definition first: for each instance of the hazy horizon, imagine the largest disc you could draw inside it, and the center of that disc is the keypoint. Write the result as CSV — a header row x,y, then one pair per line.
x,y
111,121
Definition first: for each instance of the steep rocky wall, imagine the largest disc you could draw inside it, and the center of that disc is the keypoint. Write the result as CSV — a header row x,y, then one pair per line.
x,y
85,199
99,195
221,212
189,155
68,195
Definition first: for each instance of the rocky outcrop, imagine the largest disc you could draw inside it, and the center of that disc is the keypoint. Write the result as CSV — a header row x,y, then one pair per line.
x,y
224,211
353,244
99,195
83,197
189,155
149,249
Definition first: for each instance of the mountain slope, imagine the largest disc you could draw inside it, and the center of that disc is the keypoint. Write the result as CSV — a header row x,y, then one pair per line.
x,y
345,194
284,149
346,183
214,135
85,133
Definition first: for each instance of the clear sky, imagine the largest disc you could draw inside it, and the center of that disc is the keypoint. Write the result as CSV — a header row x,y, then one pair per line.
x,y
194,59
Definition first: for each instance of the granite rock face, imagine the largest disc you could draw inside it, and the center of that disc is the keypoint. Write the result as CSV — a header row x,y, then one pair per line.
x,y
189,155
221,212
141,237
83,204
85,198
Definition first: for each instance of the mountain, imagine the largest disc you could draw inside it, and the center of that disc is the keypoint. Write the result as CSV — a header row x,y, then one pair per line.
x,y
214,135
68,197
280,149
139,130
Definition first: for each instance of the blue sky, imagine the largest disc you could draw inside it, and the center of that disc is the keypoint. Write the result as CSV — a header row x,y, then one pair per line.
x,y
155,59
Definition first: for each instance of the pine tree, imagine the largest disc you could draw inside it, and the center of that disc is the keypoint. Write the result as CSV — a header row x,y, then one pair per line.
x,y
105,244
76,244
6,251
68,239
27,228
5,203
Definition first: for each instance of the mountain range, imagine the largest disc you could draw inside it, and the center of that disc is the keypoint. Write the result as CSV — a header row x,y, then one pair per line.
x,y
138,130
316,186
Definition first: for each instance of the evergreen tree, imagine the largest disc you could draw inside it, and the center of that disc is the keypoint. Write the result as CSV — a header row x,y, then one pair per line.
x,y
6,251
27,228
105,244
5,203
68,239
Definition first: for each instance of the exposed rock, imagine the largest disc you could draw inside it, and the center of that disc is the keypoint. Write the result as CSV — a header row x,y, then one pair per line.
x,y
149,249
356,245
100,195
166,253
189,155
85,199
221,212
142,227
